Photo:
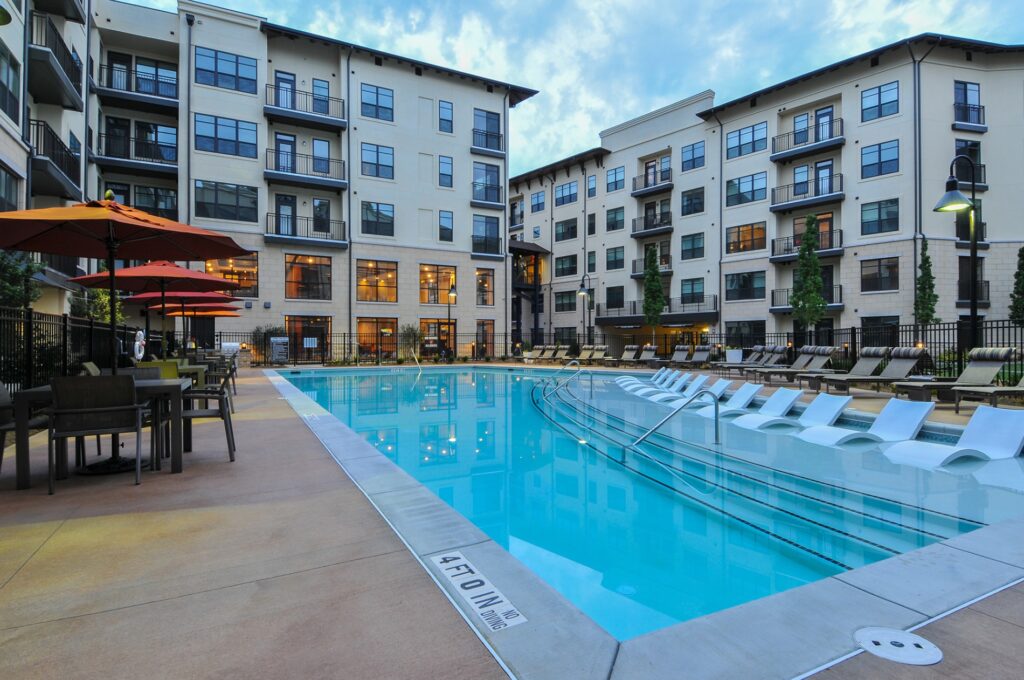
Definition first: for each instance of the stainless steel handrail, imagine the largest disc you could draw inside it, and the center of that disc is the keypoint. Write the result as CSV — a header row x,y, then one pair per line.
x,y
559,385
679,408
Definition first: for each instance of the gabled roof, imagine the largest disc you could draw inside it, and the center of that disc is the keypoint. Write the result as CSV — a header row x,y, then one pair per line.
x,y
597,153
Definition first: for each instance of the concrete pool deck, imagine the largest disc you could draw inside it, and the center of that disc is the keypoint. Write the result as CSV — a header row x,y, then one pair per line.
x,y
258,569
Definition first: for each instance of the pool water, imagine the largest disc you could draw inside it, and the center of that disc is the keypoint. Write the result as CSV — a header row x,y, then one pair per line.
x,y
639,539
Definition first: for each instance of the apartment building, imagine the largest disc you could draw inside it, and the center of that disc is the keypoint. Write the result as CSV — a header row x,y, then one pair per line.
x,y
369,186
721,193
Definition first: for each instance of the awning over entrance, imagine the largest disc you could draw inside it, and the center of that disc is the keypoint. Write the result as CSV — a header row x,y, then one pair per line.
x,y
516,246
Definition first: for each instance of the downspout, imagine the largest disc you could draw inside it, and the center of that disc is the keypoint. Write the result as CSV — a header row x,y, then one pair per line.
x,y
26,132
507,262
190,19
918,189
348,212
721,218
586,228
549,308
84,161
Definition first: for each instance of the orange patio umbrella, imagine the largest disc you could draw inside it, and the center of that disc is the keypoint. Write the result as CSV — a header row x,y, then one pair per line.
x,y
175,310
207,313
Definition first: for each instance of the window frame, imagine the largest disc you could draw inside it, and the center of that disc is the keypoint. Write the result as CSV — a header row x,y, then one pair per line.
x,y
688,202
445,121
744,238
220,210
379,225
620,220
690,158
445,179
445,232
485,294
291,259
220,79
618,261
736,195
748,140
375,109
566,230
537,205
881,166
378,271
566,193
564,262
225,269
378,154
757,292
887,203
683,250
878,263
615,179
880,109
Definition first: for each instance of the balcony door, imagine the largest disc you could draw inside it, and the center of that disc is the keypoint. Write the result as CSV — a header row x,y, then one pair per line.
x,y
284,149
118,137
285,211
119,71
650,214
322,216
650,173
486,182
823,177
284,88
823,124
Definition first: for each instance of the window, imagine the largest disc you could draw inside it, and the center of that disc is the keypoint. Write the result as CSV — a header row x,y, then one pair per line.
x,y
242,269
565,335
226,70
486,183
615,258
376,281
877,102
880,274
152,142
962,222
691,291
485,235
322,216
536,201
321,156
745,237
591,224
615,219
321,96
566,193
591,186
744,286
801,126
378,218
436,282
692,246
591,261
744,333
445,116
307,277
377,102
75,145
445,226
616,178
223,201
444,171
880,159
746,140
517,211
485,287
693,156
10,84
693,201
565,265
615,297
486,129
565,301
539,305
225,135
565,230
158,201
8,190
972,149
746,189
800,175
880,216
967,103
121,191
378,161
536,232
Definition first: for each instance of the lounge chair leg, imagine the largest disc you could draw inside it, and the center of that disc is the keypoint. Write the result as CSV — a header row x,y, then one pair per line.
x,y
229,433
51,468
3,441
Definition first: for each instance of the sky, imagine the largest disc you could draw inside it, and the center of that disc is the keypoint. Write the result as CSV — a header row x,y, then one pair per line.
x,y
598,63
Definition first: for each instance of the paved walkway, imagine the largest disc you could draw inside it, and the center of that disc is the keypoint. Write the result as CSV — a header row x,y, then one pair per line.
x,y
274,566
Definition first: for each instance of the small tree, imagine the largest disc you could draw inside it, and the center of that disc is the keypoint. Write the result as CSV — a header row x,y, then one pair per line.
x,y
806,299
1017,294
410,336
654,295
17,287
925,298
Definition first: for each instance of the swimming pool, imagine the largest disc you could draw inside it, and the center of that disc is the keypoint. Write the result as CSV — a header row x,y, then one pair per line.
x,y
639,540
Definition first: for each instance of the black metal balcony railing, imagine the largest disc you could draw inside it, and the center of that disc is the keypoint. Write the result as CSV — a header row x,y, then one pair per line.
x,y
491,193
833,295
692,303
664,264
973,114
45,34
487,245
818,132
46,142
652,179
812,188
133,148
304,164
963,173
517,217
790,245
963,291
140,82
484,139
305,227
963,230
305,102
655,221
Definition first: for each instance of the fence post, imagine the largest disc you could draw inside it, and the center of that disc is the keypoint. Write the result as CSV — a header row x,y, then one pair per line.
x,y
26,329
91,329
64,344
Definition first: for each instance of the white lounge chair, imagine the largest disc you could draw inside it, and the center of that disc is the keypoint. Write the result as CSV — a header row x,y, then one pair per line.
x,y
673,386
991,434
714,392
737,402
691,389
776,406
824,410
653,380
900,420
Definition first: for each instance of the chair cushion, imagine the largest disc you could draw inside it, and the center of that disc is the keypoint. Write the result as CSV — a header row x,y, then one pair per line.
x,y
991,354
825,350
757,348
702,348
906,352
874,351
808,349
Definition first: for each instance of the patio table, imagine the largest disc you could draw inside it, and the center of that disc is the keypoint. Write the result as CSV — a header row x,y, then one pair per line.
x,y
195,371
25,400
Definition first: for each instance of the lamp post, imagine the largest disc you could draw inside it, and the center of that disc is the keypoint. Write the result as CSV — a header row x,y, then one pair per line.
x,y
954,201
584,292
448,326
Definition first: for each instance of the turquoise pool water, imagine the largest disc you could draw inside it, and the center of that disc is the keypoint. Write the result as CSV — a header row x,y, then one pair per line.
x,y
641,539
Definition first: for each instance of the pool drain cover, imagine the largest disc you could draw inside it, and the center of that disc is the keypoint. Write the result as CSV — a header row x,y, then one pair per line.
x,y
899,646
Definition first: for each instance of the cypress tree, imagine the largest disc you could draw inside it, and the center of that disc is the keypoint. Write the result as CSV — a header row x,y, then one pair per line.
x,y
654,296
806,299
925,299
1017,295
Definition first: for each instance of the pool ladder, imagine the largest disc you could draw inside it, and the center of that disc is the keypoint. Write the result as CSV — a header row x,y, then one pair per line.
x,y
679,408
559,385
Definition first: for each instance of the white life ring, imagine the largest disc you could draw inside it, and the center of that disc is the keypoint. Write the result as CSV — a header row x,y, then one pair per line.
x,y
140,345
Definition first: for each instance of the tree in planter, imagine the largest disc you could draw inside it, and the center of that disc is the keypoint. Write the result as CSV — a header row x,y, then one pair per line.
x,y
806,299
410,336
1017,295
654,295
17,287
925,298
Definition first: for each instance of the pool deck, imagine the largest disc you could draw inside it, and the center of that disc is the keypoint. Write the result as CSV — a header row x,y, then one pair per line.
x,y
261,569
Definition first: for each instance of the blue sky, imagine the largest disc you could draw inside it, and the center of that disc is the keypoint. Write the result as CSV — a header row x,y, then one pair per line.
x,y
600,62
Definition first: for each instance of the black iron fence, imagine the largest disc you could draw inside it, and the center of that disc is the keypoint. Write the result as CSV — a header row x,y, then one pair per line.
x,y
285,97
158,84
136,149
816,187
279,160
46,142
45,34
820,131
974,114
283,224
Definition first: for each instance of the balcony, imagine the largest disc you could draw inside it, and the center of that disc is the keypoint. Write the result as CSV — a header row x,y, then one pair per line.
x,y
516,220
54,75
963,235
303,170
487,143
969,118
786,248
55,168
307,109
806,194
312,231
652,225
780,299
650,183
486,248
144,91
963,176
136,156
72,10
815,139
963,294
688,309
487,196
664,266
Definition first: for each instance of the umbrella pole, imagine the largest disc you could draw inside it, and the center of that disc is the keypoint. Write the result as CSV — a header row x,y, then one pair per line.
x,y
163,317
111,248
